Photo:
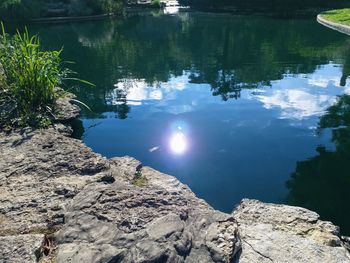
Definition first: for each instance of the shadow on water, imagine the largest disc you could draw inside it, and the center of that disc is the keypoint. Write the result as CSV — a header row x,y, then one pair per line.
x,y
322,183
78,128
346,68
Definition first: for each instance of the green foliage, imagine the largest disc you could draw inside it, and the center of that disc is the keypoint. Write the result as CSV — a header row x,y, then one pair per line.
x,y
327,173
156,3
105,6
27,9
337,115
341,16
29,78
20,9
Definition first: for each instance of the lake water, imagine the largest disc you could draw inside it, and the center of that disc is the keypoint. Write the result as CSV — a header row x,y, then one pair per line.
x,y
233,106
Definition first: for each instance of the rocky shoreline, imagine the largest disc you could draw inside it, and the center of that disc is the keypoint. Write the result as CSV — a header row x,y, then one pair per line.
x,y
61,202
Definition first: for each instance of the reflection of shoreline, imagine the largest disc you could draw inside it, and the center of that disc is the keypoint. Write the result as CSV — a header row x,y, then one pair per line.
x,y
135,92
328,173
297,97
306,96
132,47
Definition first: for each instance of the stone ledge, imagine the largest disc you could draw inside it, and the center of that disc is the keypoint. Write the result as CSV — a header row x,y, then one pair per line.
x,y
333,25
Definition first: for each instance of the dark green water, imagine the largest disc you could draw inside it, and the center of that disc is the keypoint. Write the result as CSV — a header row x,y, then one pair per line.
x,y
233,106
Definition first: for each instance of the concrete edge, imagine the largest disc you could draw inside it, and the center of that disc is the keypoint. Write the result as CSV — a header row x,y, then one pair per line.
x,y
333,25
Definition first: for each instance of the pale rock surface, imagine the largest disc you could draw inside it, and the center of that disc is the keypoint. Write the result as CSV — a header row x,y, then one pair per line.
x,y
281,233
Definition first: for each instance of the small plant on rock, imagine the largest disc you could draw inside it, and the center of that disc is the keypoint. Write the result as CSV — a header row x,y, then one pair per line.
x,y
139,179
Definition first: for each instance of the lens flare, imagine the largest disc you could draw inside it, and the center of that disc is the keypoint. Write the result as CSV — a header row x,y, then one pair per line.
x,y
178,143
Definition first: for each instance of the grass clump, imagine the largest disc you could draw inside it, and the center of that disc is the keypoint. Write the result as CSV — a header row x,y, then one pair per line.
x,y
139,180
29,81
30,77
341,16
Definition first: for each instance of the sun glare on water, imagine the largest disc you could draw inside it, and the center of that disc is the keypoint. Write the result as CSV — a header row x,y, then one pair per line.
x,y
178,143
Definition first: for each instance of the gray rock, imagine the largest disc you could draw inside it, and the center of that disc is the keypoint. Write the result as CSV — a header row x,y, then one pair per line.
x,y
66,110
280,233
145,224
20,248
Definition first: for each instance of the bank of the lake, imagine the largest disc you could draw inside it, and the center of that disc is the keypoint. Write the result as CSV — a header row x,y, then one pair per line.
x,y
338,19
61,202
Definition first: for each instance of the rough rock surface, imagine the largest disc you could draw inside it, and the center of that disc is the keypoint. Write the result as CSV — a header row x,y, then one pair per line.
x,y
66,110
60,200
281,233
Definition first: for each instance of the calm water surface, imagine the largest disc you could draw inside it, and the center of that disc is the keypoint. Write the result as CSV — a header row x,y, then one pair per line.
x,y
233,106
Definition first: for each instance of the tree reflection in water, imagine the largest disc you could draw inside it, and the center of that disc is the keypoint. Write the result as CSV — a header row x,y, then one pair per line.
x,y
230,53
346,68
322,183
